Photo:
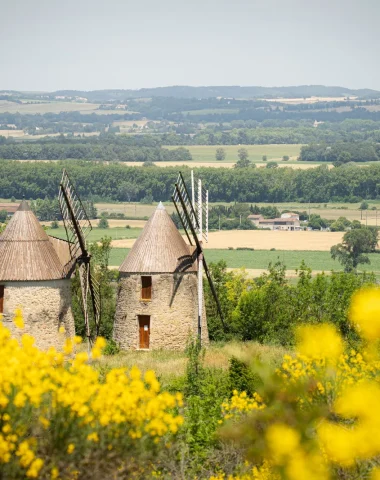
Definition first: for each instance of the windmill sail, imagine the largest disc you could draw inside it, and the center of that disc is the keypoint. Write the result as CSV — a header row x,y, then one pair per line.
x,y
193,219
78,226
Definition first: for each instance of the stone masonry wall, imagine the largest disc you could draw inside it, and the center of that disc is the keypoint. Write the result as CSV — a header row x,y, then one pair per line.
x,y
45,307
173,311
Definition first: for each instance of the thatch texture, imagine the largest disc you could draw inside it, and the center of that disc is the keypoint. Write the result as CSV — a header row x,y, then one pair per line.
x,y
160,248
26,252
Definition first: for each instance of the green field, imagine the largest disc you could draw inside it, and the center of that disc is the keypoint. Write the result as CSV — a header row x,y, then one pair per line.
x,y
260,259
206,153
117,233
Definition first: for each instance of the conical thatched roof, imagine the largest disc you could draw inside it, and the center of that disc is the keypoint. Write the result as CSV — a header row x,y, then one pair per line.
x,y
160,248
26,252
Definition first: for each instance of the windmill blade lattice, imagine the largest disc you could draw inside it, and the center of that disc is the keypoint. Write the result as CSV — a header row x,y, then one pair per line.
x,y
78,226
75,219
191,221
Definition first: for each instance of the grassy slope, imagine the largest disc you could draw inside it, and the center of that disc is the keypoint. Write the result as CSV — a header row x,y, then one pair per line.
x,y
260,259
170,365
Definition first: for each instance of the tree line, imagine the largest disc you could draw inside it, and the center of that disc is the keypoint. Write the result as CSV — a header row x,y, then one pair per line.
x,y
340,153
116,182
88,151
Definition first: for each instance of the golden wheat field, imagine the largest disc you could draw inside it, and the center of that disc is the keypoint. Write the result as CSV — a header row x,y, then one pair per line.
x,y
263,240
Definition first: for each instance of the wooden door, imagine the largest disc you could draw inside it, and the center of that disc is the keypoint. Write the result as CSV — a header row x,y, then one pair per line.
x,y
144,329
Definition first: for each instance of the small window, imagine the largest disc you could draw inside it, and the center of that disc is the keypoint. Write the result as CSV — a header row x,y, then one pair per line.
x,y
1,298
146,288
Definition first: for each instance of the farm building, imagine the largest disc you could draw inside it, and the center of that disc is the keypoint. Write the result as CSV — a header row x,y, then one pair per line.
x,y
157,302
292,215
288,221
33,278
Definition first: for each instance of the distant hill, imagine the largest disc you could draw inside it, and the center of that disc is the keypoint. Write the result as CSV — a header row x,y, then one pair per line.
x,y
221,91
301,91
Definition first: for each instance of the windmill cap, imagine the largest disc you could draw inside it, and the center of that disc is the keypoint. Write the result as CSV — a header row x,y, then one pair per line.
x,y
160,248
24,206
26,253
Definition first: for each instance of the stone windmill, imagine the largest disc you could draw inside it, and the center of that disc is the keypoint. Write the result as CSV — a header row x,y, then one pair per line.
x,y
33,278
35,272
160,296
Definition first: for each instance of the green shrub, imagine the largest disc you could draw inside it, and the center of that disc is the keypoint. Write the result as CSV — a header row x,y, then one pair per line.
x,y
111,348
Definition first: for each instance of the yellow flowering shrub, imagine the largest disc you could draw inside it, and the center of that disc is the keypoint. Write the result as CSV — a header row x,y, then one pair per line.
x,y
318,415
58,420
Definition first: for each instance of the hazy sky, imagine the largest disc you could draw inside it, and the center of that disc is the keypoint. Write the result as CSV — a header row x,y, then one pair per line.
x,y
99,44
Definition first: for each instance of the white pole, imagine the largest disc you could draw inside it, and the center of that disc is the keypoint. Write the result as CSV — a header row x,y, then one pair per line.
x,y
207,216
200,213
200,263
192,188
200,296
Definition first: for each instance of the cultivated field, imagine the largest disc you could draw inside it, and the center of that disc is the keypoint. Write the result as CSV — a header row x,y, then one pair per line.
x,y
97,233
263,240
256,262
206,153
192,164
132,209
308,100
331,211
53,107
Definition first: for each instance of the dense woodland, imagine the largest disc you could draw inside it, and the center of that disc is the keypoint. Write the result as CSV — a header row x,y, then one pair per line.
x,y
119,183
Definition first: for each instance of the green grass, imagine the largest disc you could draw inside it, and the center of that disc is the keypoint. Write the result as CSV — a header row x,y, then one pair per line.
x,y
206,153
96,234
260,259
170,365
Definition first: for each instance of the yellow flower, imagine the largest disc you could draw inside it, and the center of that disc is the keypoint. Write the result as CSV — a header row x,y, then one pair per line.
x,y
365,312
93,437
68,346
70,448
18,320
319,341
282,441
375,474
35,468
54,473
62,329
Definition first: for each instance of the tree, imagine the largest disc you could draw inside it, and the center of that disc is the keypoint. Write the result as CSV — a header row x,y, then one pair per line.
x,y
3,216
243,161
364,205
272,165
127,191
356,243
243,154
340,225
220,154
103,222
264,158
54,224
285,158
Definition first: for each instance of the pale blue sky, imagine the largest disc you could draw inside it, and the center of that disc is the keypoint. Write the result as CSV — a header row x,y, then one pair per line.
x,y
88,45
